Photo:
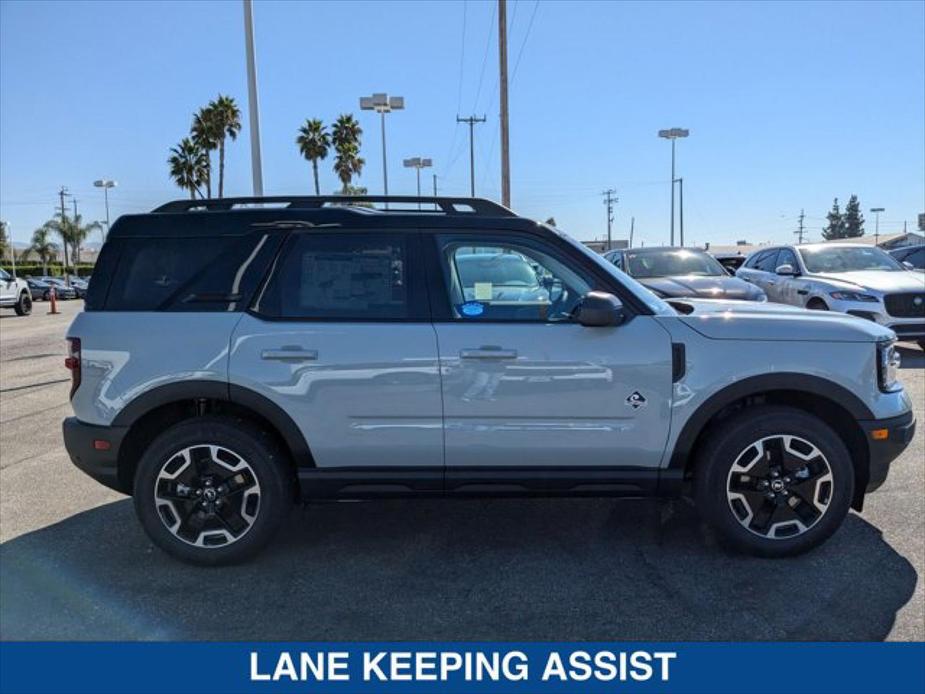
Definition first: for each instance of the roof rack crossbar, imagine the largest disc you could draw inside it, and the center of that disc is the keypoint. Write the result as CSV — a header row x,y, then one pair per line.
x,y
447,205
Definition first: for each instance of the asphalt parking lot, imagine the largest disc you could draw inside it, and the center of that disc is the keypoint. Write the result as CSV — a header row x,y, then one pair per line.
x,y
74,563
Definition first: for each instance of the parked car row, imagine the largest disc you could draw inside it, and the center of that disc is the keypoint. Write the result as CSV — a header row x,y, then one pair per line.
x,y
860,280
18,293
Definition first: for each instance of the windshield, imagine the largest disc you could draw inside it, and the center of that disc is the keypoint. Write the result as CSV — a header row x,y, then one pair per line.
x,y
672,263
847,259
656,305
506,270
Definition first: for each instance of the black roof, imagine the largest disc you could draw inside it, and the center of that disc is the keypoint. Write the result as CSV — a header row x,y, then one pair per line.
x,y
241,216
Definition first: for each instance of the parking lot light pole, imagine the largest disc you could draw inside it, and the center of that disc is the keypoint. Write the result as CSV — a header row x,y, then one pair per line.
x,y
673,134
105,184
877,211
418,163
382,104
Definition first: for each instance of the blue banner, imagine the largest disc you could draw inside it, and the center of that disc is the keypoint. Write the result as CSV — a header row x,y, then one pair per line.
x,y
425,668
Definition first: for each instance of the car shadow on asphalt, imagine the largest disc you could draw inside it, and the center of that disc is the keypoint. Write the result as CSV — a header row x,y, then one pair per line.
x,y
532,569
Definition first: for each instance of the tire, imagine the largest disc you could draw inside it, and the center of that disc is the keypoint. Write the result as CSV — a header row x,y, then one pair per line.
x,y
199,457
809,492
46,296
24,305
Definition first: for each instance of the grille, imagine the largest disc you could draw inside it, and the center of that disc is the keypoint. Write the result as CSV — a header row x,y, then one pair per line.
x,y
911,305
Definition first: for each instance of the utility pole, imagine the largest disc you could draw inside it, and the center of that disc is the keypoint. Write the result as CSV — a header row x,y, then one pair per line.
x,y
76,240
61,194
609,200
505,141
799,232
632,229
471,120
253,110
877,211
435,185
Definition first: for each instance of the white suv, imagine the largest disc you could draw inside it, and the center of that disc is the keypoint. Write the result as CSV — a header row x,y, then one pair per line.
x,y
15,294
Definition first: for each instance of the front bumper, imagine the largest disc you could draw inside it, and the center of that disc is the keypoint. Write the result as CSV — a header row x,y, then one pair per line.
x,y
102,465
911,328
884,450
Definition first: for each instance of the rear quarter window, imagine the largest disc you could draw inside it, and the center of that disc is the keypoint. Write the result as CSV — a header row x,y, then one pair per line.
x,y
181,274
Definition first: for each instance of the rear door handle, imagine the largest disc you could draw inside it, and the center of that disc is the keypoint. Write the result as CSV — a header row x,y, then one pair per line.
x,y
488,353
289,354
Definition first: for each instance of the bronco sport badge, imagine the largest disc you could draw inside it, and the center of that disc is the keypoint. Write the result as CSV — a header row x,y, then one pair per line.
x,y
636,400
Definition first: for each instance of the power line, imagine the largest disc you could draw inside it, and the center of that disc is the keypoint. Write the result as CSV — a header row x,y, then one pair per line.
x,y
523,43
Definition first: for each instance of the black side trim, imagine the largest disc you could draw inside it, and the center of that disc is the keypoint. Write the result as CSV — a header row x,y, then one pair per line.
x,y
678,361
757,385
103,466
371,482
219,390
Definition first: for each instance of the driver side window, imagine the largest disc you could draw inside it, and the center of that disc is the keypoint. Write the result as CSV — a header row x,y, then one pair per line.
x,y
509,281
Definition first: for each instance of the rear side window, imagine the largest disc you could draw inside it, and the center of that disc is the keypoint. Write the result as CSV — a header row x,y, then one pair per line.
x,y
187,274
768,261
345,276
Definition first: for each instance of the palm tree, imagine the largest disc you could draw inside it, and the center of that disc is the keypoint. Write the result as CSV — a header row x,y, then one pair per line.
x,y
346,134
206,135
43,246
79,234
63,228
188,166
227,121
313,142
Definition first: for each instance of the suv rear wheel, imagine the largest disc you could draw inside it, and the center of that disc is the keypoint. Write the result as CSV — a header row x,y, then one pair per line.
x,y
24,305
212,490
774,481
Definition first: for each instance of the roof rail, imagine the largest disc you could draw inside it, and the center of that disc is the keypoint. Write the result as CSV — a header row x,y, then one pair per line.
x,y
447,205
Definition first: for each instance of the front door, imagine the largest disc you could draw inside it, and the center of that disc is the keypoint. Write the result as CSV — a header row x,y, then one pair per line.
x,y
341,340
524,385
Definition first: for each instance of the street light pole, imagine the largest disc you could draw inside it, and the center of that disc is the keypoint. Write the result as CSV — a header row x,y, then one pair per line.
x,y
418,163
253,110
877,211
382,104
105,184
681,207
673,134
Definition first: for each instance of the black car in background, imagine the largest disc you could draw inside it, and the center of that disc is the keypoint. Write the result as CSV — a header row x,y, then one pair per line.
x,y
41,291
914,255
674,273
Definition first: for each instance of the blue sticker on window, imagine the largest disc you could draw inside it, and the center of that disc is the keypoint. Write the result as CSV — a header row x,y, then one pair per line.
x,y
472,308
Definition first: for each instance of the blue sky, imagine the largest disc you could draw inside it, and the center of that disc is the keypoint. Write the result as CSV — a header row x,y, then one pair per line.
x,y
788,104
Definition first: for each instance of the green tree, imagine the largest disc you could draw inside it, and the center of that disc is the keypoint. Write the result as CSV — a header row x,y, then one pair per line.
x,y
853,219
835,229
79,234
205,135
346,138
63,228
227,122
43,246
313,141
4,244
188,167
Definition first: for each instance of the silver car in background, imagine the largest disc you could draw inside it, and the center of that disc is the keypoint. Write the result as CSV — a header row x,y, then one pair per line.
x,y
860,280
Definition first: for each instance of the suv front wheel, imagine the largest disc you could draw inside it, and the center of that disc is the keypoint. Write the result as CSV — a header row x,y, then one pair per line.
x,y
24,305
212,490
774,481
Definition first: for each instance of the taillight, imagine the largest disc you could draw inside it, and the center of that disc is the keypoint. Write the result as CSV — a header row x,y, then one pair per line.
x,y
72,362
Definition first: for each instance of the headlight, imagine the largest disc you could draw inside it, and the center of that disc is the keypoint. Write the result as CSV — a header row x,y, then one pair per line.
x,y
853,296
888,361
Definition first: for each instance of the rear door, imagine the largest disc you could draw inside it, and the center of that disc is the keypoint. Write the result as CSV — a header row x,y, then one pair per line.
x,y
341,339
525,385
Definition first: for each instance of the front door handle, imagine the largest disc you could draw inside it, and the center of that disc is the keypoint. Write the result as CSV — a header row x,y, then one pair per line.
x,y
289,354
488,353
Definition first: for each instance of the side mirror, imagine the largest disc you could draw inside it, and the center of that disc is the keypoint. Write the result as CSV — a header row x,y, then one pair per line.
x,y
600,310
908,265
785,269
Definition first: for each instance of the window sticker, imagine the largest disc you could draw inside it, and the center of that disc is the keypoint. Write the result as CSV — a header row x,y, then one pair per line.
x,y
483,291
472,308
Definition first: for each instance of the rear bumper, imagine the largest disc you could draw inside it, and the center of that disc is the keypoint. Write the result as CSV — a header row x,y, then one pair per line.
x,y
101,465
882,452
